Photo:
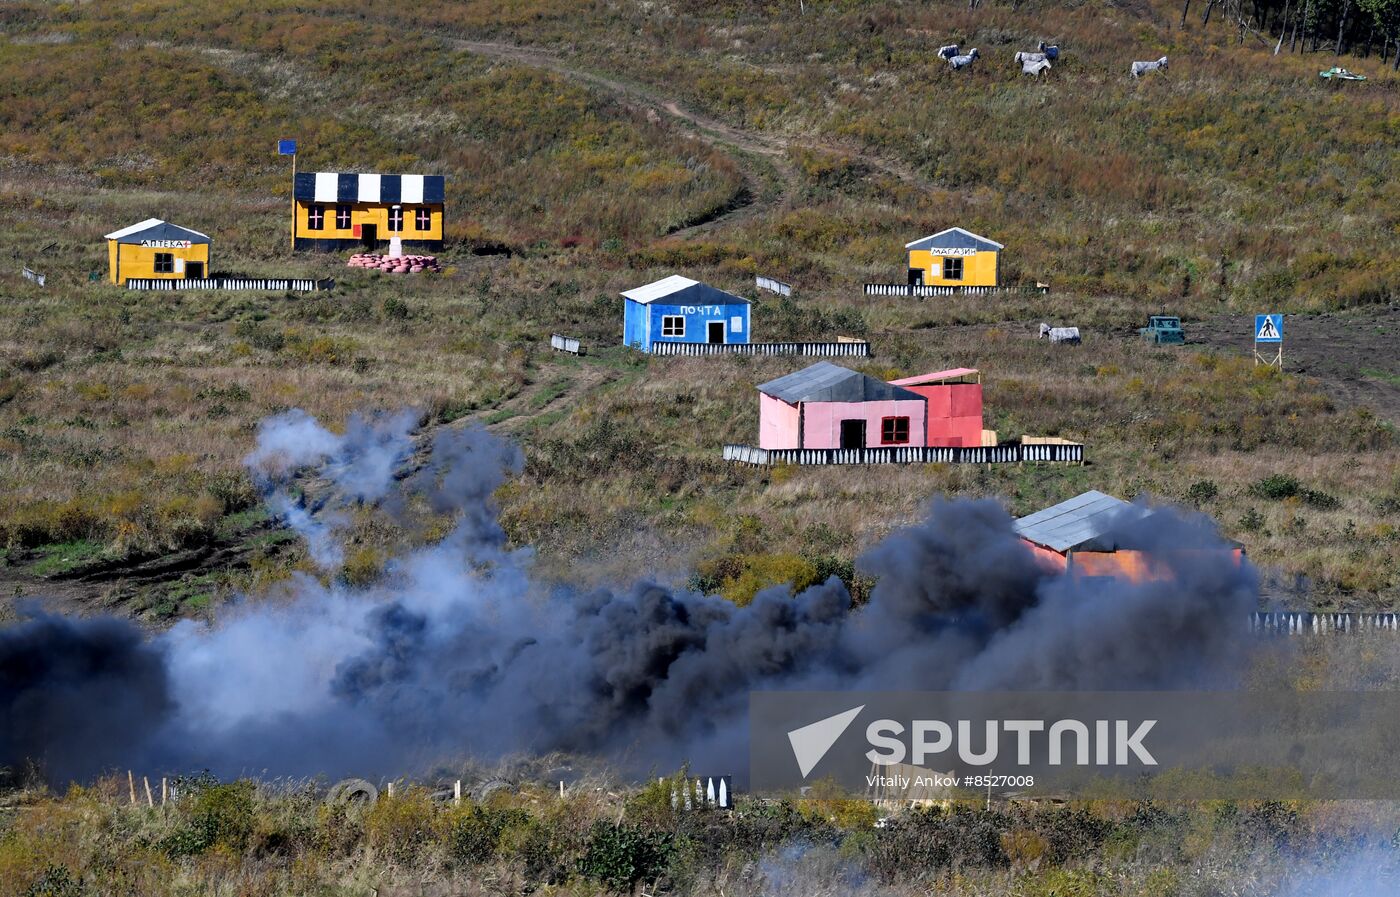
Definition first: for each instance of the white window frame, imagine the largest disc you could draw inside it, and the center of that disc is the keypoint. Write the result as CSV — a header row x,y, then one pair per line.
x,y
736,324
395,217
668,331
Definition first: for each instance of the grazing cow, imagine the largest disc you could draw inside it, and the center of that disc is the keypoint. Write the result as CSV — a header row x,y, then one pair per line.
x,y
1051,53
1023,58
1034,67
1142,68
1067,335
958,62
948,52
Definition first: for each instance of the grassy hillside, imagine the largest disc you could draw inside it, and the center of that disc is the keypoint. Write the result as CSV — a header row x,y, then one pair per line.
x,y
593,147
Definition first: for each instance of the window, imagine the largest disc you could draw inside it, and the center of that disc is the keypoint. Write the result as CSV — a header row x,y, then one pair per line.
x,y
315,218
894,431
396,219
165,263
736,324
342,217
673,325
423,219
952,268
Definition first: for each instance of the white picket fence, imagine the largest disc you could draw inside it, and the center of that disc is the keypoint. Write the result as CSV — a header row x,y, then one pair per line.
x,y
773,286
291,284
1058,453
854,349
1310,623
565,344
917,291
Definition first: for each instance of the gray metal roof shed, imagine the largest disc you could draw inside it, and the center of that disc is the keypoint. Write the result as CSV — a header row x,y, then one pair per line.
x,y
827,382
1084,522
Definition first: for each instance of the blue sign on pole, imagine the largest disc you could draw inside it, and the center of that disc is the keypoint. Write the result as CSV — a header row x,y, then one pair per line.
x,y
1268,328
286,147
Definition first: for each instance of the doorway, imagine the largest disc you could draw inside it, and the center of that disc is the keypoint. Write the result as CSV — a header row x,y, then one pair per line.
x,y
853,434
194,270
916,277
714,332
369,236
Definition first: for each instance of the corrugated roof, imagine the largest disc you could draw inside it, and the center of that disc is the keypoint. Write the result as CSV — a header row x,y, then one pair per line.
x,y
680,290
1080,522
954,238
354,186
827,382
936,377
156,229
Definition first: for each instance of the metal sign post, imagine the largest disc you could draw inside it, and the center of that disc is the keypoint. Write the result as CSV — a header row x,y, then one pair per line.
x,y
289,148
1268,333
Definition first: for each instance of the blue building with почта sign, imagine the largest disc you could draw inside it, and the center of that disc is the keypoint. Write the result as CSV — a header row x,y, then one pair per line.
x,y
680,310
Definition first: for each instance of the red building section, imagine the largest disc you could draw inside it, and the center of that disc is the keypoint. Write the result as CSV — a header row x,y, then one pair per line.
x,y
954,405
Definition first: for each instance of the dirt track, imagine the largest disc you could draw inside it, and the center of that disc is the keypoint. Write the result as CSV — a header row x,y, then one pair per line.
x,y
1354,355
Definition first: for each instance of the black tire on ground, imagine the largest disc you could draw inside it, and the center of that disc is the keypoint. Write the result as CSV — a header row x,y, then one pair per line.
x,y
352,791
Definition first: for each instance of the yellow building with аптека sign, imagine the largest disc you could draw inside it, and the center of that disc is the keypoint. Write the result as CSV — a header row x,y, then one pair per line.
x,y
953,258
157,249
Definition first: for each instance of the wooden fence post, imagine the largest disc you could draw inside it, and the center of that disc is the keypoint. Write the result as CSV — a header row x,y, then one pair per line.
x,y
131,786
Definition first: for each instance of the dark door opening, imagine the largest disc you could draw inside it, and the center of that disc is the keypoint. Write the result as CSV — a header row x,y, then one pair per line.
x,y
916,277
715,332
194,270
369,236
853,434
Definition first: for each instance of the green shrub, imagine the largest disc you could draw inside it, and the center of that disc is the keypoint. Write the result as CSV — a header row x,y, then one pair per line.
x,y
56,881
218,814
474,836
1277,487
1202,492
620,856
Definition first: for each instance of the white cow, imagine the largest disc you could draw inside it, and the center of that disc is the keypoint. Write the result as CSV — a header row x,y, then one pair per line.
x,y
1142,68
948,52
1023,58
1069,335
1033,66
958,62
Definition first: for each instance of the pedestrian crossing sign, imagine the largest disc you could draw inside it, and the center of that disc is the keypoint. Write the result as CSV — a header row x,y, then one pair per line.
x,y
1268,328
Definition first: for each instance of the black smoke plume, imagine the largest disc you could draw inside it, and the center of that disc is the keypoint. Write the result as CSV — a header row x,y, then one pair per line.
x,y
78,696
460,650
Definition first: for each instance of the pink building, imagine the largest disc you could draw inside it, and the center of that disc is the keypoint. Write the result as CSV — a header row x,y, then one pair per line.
x,y
827,406
954,405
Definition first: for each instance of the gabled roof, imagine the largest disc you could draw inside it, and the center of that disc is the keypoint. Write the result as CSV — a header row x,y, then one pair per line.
x,y
961,375
827,382
352,186
155,229
955,238
680,290
1083,522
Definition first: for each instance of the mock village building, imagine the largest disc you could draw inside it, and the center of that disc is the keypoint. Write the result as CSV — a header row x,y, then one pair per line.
x,y
1094,535
954,258
157,249
336,210
954,405
826,406
677,309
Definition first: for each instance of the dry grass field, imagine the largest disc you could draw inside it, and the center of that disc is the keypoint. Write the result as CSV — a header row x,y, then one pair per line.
x,y
591,148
